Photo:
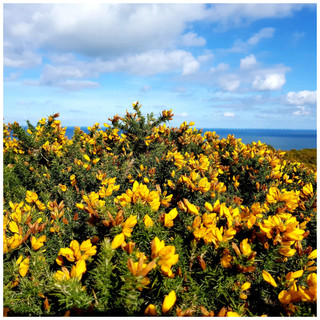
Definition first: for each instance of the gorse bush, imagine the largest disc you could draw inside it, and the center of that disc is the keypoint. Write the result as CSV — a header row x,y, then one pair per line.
x,y
141,219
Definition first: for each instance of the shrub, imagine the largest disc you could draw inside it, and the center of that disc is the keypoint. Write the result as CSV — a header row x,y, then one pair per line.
x,y
140,219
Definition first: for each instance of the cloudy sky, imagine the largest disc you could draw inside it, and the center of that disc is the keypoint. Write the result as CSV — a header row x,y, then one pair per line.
x,y
220,65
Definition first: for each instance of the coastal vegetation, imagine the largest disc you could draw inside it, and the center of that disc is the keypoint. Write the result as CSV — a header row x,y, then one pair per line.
x,y
136,218
308,157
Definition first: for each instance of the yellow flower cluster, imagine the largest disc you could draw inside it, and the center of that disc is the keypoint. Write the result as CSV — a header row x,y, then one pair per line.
x,y
140,192
140,269
290,199
32,197
75,253
21,214
93,200
127,228
205,227
296,293
166,256
10,143
57,211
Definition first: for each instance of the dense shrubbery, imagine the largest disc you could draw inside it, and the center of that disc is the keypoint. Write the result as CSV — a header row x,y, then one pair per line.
x,y
143,219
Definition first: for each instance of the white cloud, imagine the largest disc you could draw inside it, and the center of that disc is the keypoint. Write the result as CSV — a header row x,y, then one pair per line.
x,y
191,39
268,82
248,62
208,55
220,67
251,74
82,41
190,67
242,46
52,74
109,29
229,82
263,33
228,114
73,85
153,62
302,111
140,39
238,46
69,74
66,84
235,15
12,76
20,56
183,114
67,69
304,97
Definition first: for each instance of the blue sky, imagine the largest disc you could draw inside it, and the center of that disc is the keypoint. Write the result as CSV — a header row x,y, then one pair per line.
x,y
219,65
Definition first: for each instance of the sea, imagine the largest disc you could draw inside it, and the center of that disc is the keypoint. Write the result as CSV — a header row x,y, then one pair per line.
x,y
284,139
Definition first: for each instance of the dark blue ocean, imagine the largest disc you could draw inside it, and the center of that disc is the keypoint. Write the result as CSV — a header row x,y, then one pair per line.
x,y
284,139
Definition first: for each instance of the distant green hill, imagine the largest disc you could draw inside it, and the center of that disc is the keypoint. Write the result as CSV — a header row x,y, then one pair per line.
x,y
305,156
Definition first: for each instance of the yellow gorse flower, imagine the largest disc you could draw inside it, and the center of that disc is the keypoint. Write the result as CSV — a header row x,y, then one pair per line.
x,y
286,225
63,187
147,221
293,275
177,157
191,208
38,243
232,314
24,266
140,270
166,256
151,310
62,274
245,247
31,197
88,249
287,251
169,301
79,269
290,198
226,260
13,227
140,192
127,228
284,297
268,278
77,252
13,242
68,253
307,189
128,225
86,157
169,217
313,255
118,240
246,286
